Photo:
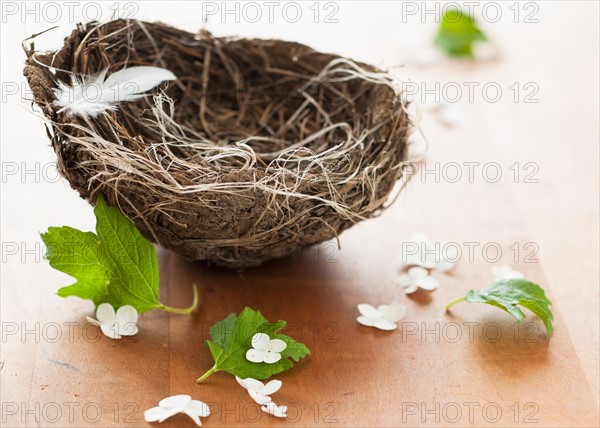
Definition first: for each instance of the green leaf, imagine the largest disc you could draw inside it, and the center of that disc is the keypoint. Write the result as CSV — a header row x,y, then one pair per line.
x,y
457,34
232,338
115,265
507,294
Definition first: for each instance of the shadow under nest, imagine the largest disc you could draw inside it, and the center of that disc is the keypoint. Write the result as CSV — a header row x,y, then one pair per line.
x,y
260,147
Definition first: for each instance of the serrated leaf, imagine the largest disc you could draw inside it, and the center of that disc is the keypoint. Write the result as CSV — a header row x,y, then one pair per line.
x,y
458,33
115,265
218,331
232,338
508,294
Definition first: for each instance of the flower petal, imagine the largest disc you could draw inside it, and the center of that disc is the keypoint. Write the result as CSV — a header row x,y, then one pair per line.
x,y
505,272
277,345
405,280
194,417
127,314
153,414
256,355
271,388
197,407
369,322
383,324
272,357
242,382
175,402
261,341
411,289
275,410
93,321
111,331
418,260
127,329
393,313
428,283
105,313
444,266
251,384
167,413
259,398
417,272
498,272
166,408
368,310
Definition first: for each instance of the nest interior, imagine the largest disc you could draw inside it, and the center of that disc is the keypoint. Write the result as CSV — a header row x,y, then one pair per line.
x,y
260,147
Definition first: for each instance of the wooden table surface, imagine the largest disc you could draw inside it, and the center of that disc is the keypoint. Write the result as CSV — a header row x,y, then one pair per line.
x,y
471,367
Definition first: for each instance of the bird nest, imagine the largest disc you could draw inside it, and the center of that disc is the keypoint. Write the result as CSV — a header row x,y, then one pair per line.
x,y
258,149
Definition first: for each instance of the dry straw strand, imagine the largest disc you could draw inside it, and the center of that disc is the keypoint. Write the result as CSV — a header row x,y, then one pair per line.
x,y
260,147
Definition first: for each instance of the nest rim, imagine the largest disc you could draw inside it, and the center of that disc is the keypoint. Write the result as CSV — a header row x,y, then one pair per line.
x,y
267,189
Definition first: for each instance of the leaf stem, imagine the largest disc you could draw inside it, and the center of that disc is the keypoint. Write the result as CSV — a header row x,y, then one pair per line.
x,y
184,311
207,374
454,302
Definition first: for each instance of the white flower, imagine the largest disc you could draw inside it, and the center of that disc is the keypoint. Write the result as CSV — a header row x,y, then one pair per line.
x,y
485,51
451,115
417,145
265,350
419,251
275,410
384,317
170,406
505,272
416,278
258,390
123,323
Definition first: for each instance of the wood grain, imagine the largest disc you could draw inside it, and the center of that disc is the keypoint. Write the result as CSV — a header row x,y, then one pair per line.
x,y
438,368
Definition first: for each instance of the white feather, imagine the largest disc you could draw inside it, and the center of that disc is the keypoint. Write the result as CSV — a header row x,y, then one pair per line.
x,y
91,95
